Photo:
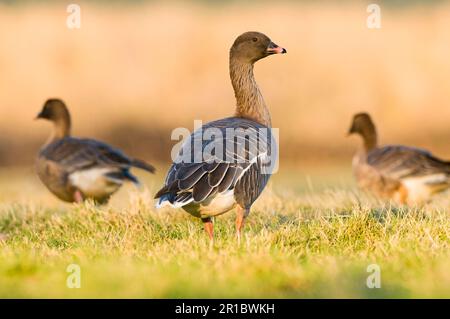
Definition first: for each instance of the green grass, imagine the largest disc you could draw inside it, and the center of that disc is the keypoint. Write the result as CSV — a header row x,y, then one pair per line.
x,y
305,238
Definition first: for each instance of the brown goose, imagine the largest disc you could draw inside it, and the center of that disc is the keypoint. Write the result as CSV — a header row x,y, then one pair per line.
x,y
405,174
75,169
209,185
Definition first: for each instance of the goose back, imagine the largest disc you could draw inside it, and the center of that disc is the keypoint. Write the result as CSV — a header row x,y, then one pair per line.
x,y
401,162
239,173
92,167
403,173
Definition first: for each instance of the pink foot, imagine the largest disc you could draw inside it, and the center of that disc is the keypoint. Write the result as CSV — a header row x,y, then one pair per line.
x,y
78,197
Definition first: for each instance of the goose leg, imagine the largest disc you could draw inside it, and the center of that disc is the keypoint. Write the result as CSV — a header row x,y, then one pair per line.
x,y
78,197
209,227
242,213
403,195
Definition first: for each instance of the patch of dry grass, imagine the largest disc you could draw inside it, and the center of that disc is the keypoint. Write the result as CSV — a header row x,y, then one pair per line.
x,y
312,241
132,73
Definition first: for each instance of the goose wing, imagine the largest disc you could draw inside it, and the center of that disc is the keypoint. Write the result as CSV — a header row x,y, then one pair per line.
x,y
399,162
74,154
226,150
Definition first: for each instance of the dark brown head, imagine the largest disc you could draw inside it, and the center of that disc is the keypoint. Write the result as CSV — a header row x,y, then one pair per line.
x,y
252,46
362,124
56,111
53,110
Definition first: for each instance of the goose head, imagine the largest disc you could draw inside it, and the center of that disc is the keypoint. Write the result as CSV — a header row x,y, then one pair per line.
x,y
54,110
362,124
252,46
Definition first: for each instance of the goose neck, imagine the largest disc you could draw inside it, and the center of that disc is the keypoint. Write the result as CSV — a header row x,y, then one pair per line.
x,y
250,103
61,129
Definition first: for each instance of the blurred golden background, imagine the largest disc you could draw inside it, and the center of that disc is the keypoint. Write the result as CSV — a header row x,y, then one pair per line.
x,y
134,71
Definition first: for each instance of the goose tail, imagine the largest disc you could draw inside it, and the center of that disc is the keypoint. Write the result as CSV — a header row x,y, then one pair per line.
x,y
130,177
167,198
143,165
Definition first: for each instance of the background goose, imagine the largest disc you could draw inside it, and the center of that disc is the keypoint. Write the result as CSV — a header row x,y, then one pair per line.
x,y
405,174
75,169
216,184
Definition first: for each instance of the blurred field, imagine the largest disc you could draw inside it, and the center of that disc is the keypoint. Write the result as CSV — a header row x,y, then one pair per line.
x,y
306,237
134,72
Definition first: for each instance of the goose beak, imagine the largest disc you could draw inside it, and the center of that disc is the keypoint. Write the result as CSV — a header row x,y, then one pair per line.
x,y
41,115
351,131
275,49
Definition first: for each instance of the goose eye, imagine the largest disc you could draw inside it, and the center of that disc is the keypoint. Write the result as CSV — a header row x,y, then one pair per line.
x,y
255,39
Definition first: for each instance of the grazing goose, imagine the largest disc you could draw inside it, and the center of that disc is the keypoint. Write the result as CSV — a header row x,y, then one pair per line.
x,y
209,185
405,174
76,169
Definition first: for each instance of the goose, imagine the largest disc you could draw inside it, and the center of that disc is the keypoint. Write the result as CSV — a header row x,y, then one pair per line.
x,y
215,184
404,174
76,169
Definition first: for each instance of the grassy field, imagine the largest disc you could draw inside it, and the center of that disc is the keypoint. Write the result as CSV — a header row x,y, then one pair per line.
x,y
132,73
307,236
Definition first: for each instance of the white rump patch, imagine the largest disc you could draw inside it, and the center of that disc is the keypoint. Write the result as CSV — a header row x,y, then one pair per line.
x,y
163,201
421,188
93,182
212,206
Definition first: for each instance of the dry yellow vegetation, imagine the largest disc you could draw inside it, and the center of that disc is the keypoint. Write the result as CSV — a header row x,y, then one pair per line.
x,y
132,73
149,67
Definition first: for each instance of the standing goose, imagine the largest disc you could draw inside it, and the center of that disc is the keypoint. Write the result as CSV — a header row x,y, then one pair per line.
x,y
405,174
209,185
76,169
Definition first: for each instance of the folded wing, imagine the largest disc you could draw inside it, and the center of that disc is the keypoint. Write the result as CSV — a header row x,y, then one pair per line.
x,y
85,161
401,162
217,163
